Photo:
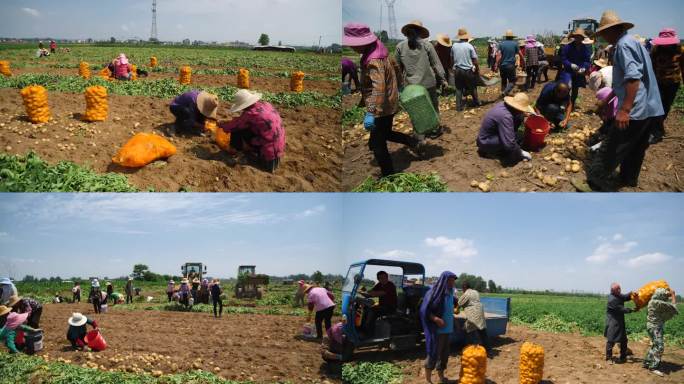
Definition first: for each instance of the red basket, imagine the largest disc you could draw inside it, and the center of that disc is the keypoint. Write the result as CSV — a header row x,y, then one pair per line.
x,y
95,340
536,129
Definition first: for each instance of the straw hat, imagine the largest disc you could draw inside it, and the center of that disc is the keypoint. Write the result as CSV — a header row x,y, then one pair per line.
x,y
579,32
306,288
611,19
207,104
520,101
509,33
109,283
463,34
195,280
565,40
358,35
184,281
14,299
243,99
422,31
602,62
587,41
444,40
172,282
4,310
77,319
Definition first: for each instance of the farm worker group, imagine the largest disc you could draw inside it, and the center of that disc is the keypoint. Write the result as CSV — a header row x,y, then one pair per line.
x,y
661,307
643,81
258,131
17,315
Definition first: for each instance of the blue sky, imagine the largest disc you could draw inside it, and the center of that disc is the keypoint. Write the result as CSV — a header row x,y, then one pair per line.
x,y
104,235
296,22
493,17
534,241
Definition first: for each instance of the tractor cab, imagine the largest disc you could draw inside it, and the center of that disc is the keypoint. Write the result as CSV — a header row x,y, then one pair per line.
x,y
399,330
193,270
589,25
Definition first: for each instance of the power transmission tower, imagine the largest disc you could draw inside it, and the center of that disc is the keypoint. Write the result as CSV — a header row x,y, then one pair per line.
x,y
153,33
391,15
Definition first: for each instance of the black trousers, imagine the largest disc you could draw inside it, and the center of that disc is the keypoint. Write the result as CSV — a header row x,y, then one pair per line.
x,y
554,113
33,320
129,298
623,349
532,73
465,83
379,136
321,316
76,298
217,303
508,78
169,295
668,93
96,304
623,147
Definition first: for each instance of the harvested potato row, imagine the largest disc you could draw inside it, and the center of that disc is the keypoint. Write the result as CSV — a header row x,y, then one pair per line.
x,y
185,75
84,70
473,365
531,363
96,103
36,102
243,78
134,72
297,82
5,68
153,61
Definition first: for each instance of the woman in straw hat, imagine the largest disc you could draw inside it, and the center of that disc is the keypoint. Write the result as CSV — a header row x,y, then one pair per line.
x,y
507,53
379,93
668,64
497,136
576,58
216,293
466,69
443,46
10,323
320,301
170,289
184,292
77,330
639,110
258,130
602,76
191,110
532,53
27,305
419,62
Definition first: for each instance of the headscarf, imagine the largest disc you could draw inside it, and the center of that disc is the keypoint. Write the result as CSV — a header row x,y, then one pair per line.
x,y
14,320
335,333
530,41
123,60
433,301
606,94
376,50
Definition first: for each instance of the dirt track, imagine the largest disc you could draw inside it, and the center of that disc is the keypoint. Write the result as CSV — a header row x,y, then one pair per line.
x,y
259,348
312,158
454,155
569,359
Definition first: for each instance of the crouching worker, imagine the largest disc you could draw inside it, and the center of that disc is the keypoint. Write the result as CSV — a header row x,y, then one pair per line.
x,y
606,109
191,110
259,129
122,68
332,347
77,330
32,308
497,137
11,322
554,104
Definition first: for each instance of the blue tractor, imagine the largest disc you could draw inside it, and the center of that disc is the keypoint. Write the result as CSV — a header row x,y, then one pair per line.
x,y
401,330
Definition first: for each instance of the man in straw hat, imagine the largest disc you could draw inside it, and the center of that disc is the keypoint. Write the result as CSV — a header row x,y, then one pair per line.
x,y
497,136
639,108
466,69
443,46
419,62
191,110
258,130
576,59
508,51
380,85
77,330
668,65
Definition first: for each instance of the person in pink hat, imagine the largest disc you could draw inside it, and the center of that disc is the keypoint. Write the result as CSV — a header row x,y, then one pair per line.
x,y
668,64
379,91
122,68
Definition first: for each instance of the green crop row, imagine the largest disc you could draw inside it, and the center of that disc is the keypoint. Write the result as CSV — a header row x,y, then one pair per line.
x,y
404,182
164,88
371,373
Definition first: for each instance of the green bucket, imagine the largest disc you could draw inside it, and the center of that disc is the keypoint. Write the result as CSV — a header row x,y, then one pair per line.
x,y
415,100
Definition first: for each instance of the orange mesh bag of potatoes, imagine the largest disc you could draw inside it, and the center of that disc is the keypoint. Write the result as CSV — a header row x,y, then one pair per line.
x,y
143,149
297,82
84,70
243,78
96,103
531,363
36,102
106,74
473,365
153,61
221,138
645,293
5,68
134,72
185,75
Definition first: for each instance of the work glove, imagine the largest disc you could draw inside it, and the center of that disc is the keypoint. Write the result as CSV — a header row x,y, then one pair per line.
x,y
574,67
369,121
525,155
582,70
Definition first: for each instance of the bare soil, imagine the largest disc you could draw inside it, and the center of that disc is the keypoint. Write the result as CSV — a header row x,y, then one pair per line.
x,y
454,154
312,159
569,359
259,348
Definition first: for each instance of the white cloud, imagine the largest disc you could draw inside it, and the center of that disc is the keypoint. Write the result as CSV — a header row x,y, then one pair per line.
x,y
31,11
394,254
607,250
648,259
452,249
4,234
312,211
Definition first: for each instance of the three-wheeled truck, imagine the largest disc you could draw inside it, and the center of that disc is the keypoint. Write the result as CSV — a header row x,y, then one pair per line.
x,y
402,330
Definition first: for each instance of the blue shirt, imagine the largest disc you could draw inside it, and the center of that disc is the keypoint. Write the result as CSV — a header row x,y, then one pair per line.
x,y
632,62
463,54
508,48
548,96
448,315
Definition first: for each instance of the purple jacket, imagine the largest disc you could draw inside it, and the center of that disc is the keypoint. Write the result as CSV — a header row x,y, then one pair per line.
x,y
188,100
497,131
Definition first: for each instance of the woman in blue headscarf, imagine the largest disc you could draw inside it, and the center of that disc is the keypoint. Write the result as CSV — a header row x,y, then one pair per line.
x,y
437,317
